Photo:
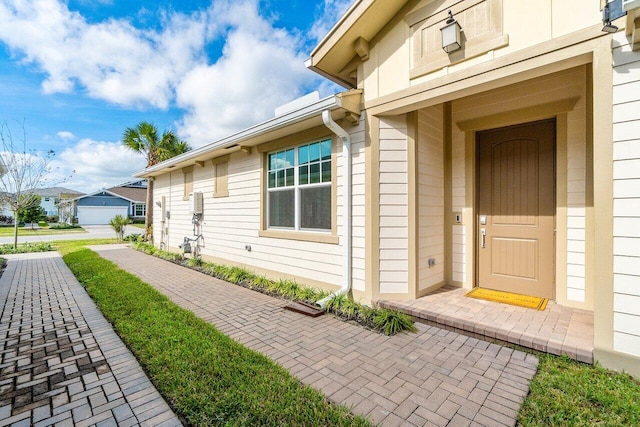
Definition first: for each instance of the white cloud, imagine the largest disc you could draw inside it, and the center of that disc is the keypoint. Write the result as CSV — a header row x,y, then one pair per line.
x,y
261,67
66,135
330,13
97,164
112,60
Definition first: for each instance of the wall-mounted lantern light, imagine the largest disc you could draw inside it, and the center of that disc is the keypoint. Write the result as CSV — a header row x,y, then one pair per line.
x,y
612,10
606,20
451,40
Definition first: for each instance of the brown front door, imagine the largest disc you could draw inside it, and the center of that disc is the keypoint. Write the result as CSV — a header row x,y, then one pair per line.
x,y
516,209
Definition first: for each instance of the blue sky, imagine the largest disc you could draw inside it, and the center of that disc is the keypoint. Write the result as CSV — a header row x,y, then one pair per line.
x,y
77,72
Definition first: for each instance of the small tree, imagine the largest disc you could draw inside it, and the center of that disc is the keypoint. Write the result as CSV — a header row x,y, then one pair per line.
x,y
119,224
33,213
22,171
144,139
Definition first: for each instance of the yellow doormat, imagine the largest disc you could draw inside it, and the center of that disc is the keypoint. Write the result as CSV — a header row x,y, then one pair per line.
x,y
508,298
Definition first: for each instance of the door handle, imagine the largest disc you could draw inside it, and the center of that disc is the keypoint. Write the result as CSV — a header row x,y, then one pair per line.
x,y
483,237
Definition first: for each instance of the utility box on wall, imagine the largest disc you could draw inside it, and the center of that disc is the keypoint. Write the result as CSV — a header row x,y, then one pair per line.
x,y
196,203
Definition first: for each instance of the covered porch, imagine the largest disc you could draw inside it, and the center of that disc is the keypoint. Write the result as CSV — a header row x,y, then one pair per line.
x,y
557,329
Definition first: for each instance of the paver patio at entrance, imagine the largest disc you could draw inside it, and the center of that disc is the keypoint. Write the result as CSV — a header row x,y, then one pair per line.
x,y
61,362
432,377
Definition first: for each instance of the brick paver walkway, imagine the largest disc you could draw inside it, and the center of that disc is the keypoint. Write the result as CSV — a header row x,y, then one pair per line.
x,y
433,377
61,362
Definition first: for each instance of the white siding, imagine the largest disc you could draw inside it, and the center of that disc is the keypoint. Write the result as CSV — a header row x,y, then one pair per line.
x,y
230,223
626,192
394,211
430,196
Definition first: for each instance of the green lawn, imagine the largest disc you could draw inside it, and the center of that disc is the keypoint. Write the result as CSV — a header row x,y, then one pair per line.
x,y
207,378
210,379
569,393
27,231
137,225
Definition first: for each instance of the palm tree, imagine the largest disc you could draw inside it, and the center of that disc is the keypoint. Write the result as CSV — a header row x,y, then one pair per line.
x,y
144,139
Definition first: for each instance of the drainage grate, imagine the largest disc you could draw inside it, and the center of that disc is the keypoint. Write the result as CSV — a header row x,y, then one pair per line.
x,y
304,308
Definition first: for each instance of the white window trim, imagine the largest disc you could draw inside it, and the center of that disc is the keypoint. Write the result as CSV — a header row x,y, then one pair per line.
x,y
135,209
297,189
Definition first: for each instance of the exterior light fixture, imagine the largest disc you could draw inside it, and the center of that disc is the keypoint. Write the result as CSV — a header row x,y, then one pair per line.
x,y
614,9
451,40
606,20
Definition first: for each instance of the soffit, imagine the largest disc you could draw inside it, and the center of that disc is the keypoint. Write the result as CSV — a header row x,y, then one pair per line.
x,y
364,19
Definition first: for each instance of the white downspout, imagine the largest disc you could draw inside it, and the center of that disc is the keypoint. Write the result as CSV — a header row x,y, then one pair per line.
x,y
346,211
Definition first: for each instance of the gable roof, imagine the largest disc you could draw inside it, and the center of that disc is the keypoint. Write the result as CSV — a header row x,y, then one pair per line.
x,y
133,194
55,191
335,56
130,194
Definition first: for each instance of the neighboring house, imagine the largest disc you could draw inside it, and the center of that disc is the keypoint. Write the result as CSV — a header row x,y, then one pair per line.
x,y
50,197
100,207
512,163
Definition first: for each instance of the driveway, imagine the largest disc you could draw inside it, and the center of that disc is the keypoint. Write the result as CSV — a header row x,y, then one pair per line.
x,y
92,232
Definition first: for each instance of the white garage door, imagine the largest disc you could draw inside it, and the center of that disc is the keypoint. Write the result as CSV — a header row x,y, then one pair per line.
x,y
99,215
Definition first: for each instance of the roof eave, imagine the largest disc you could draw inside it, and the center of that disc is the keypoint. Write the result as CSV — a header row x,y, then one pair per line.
x,y
364,19
345,102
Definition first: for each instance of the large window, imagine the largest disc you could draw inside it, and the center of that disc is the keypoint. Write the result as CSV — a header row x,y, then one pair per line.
x,y
299,187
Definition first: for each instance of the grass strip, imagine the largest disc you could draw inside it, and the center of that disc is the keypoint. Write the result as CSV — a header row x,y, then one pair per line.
x,y
207,378
566,392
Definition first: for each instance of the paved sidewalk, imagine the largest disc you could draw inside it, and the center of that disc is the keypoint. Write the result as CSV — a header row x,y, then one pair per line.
x,y
60,361
434,377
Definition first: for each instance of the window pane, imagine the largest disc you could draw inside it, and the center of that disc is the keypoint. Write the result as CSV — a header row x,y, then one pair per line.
x,y
280,162
314,152
303,154
272,161
326,171
281,209
289,178
281,178
288,157
315,208
314,172
272,179
303,174
326,149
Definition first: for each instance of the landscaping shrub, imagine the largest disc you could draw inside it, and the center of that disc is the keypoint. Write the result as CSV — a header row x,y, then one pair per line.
x,y
119,224
386,321
63,226
25,248
133,237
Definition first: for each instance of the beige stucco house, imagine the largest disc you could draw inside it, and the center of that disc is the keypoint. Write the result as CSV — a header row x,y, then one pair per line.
x,y
511,163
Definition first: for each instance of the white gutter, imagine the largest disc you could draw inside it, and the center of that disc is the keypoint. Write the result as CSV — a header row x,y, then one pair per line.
x,y
346,212
287,119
